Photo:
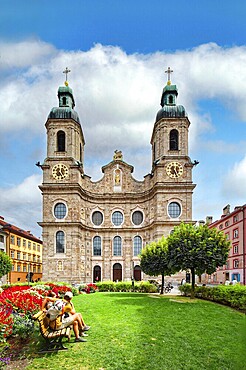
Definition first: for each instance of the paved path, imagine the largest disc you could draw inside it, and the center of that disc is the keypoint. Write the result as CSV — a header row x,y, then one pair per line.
x,y
174,291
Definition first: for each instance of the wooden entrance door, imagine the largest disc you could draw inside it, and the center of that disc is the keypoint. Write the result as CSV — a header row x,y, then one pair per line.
x,y
117,272
137,273
97,274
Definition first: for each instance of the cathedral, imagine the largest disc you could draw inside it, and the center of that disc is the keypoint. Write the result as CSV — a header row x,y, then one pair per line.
x,y
95,231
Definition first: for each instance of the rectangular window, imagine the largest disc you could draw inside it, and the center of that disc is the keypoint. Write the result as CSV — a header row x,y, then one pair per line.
x,y
24,268
38,248
34,258
18,256
18,241
12,254
24,242
227,236
236,263
235,249
18,268
235,234
235,218
59,266
39,270
29,245
34,246
13,267
1,239
12,239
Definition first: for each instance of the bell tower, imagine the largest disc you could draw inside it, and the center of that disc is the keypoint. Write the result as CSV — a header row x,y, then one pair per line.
x,y
171,164
62,175
65,138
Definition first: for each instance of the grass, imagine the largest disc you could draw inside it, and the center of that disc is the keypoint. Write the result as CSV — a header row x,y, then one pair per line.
x,y
132,331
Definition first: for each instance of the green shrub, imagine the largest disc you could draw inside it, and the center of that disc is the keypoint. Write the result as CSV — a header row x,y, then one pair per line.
x,y
126,286
106,286
123,286
185,289
232,295
22,326
147,287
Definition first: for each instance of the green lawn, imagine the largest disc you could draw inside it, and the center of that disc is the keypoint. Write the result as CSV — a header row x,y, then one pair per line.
x,y
131,331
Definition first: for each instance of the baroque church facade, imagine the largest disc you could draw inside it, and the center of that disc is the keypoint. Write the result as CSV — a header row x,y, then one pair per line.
x,y
94,231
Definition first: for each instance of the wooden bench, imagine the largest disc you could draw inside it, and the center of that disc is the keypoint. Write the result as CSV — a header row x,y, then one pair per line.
x,y
53,338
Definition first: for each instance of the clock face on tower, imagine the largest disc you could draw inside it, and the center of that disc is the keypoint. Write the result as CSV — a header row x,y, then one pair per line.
x,y
60,171
174,169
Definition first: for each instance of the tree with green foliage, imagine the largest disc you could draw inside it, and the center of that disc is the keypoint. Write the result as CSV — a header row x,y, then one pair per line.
x,y
198,249
154,260
5,264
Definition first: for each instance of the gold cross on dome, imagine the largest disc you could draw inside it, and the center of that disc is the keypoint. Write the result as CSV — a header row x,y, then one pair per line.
x,y
66,73
169,71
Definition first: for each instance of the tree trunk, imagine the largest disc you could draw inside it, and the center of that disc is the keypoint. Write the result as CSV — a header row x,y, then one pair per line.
x,y
162,283
192,282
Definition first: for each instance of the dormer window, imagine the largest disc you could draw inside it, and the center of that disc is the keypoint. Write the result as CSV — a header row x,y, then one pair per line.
x,y
64,100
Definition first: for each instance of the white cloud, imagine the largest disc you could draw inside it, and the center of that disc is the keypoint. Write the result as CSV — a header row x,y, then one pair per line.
x,y
117,97
113,89
235,182
20,204
24,54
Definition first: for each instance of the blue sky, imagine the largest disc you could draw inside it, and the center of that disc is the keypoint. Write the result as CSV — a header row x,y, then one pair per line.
x,y
117,52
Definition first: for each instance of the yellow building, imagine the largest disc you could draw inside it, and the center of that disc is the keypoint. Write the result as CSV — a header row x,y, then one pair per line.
x,y
25,251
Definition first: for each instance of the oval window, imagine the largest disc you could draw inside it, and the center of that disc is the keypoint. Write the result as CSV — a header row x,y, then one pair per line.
x,y
137,218
97,218
60,210
174,210
117,218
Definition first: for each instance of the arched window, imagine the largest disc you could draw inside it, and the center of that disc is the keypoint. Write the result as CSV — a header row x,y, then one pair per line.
x,y
61,141
117,246
97,246
170,99
60,242
174,140
80,153
137,245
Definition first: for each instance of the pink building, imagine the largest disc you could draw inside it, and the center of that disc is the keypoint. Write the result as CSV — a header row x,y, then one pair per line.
x,y
233,224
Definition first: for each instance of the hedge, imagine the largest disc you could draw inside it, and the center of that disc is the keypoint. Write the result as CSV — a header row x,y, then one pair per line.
x,y
231,295
142,287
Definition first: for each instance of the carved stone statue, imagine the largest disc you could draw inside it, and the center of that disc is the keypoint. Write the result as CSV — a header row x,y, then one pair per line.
x,y
118,155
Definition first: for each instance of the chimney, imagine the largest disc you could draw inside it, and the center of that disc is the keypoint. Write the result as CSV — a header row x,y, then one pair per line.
x,y
201,222
209,220
226,210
